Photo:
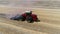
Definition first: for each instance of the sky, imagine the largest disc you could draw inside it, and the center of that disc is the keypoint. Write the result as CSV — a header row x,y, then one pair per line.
x,y
29,3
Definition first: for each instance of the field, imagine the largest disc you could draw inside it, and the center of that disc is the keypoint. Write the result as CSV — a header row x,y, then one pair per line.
x,y
49,24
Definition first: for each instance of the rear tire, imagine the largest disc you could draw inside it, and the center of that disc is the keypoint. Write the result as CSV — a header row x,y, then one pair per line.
x,y
29,19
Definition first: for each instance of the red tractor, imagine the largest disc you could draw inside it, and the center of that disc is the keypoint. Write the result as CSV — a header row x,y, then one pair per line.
x,y
28,16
